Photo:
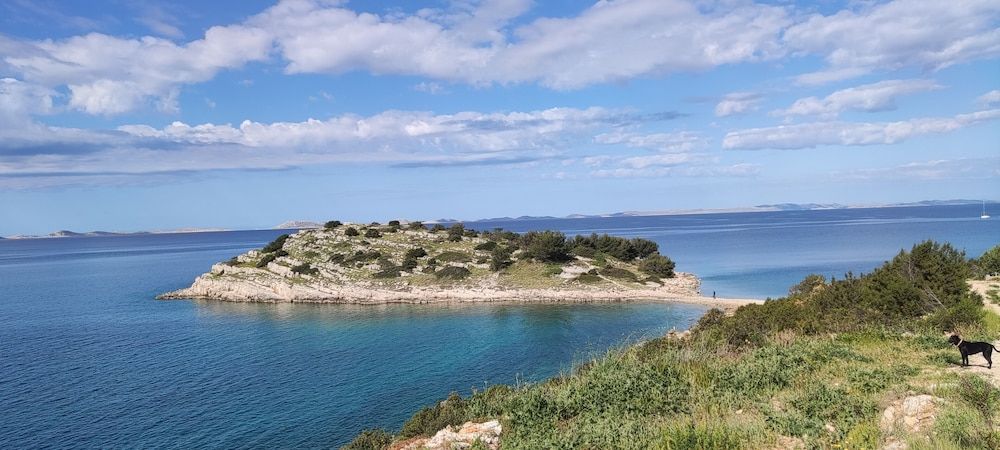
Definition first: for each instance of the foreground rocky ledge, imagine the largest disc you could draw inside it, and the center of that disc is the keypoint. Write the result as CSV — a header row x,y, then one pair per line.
x,y
312,268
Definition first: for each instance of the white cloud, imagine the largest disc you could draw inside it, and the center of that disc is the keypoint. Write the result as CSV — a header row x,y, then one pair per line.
x,y
19,99
880,96
810,135
964,168
989,99
737,103
734,170
684,141
109,75
902,33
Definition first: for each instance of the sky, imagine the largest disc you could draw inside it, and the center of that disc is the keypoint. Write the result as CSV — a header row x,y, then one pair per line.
x,y
155,115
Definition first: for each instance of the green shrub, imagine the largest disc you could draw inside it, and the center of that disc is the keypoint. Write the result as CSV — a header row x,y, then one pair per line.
x,y
437,227
415,225
552,270
968,311
418,252
269,257
275,245
394,223
699,435
545,246
619,273
455,232
454,257
332,224
337,258
989,262
310,254
808,284
584,251
351,231
234,261
305,269
389,272
644,247
657,266
377,439
430,420
452,273
587,278
409,263
500,258
487,246
372,233
363,257
982,396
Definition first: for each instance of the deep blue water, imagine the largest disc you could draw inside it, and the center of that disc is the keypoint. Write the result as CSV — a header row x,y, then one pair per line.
x,y
89,359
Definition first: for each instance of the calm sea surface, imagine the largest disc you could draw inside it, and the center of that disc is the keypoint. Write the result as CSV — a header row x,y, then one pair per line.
x,y
89,359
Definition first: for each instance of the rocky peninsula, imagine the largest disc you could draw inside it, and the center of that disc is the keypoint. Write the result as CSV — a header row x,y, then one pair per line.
x,y
411,263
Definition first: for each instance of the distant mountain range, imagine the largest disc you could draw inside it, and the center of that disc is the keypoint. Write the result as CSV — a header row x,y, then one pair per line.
x,y
302,224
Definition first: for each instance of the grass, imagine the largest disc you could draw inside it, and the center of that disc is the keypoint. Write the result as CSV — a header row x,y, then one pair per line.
x,y
827,391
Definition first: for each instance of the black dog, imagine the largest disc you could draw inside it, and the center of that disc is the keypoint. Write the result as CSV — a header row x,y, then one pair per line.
x,y
971,348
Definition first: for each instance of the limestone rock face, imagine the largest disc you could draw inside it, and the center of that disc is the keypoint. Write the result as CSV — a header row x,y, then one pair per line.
x,y
463,437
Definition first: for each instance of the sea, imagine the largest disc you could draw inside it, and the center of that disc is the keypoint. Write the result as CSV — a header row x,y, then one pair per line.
x,y
90,359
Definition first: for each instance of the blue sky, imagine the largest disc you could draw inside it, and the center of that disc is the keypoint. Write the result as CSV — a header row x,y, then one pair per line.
x,y
125,116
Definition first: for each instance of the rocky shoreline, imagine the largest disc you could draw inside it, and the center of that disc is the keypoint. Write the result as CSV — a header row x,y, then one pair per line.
x,y
217,286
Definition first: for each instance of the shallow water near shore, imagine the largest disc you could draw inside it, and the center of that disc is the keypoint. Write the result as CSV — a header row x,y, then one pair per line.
x,y
89,359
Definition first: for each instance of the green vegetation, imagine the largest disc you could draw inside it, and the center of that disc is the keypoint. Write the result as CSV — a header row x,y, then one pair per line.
x,y
351,231
454,257
305,269
372,233
989,262
452,273
455,232
332,224
275,245
814,369
657,265
500,258
545,246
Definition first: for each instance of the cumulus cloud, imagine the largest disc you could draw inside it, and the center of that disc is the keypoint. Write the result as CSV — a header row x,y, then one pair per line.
x,y
901,33
880,96
809,135
110,75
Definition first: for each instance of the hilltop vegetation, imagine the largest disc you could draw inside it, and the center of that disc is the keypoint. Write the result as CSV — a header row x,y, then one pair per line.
x,y
409,262
395,255
815,369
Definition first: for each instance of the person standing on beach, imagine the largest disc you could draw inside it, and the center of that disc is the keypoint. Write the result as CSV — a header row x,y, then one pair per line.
x,y
713,295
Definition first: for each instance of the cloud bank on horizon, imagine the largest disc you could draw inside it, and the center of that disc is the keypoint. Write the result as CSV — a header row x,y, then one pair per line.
x,y
612,90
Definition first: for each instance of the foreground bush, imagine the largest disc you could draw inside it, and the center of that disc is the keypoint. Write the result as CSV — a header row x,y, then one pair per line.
x,y
545,246
657,266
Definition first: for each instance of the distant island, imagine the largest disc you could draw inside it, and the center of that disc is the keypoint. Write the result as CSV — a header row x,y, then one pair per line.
x,y
412,263
307,224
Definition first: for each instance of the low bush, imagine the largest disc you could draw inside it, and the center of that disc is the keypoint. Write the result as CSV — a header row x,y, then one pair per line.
x,y
587,278
275,245
337,258
429,420
584,251
305,269
270,257
351,231
409,263
418,252
415,225
702,436
377,439
487,246
452,273
619,273
394,223
455,232
332,224
454,257
437,227
372,233
390,272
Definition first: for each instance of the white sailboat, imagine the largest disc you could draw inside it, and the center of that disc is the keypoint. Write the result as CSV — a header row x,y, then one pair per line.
x,y
984,216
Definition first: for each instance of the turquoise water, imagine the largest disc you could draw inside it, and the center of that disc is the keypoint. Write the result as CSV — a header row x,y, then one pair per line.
x,y
89,359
